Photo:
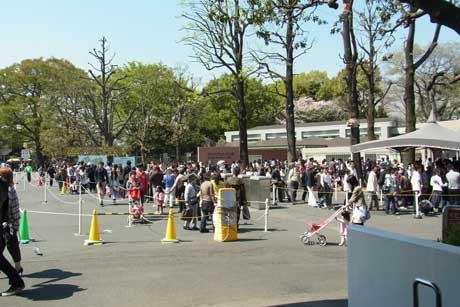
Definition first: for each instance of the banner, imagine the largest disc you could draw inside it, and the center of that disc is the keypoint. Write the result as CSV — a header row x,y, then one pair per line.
x,y
123,160
93,159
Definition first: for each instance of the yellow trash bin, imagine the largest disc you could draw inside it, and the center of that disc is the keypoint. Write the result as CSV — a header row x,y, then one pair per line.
x,y
224,216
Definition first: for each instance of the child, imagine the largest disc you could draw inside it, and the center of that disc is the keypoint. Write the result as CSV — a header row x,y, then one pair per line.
x,y
344,221
133,187
137,210
159,199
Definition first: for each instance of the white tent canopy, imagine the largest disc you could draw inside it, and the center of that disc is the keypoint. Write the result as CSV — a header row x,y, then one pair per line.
x,y
430,135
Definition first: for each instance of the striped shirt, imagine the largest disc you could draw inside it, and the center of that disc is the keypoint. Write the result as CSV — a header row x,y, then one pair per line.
x,y
14,215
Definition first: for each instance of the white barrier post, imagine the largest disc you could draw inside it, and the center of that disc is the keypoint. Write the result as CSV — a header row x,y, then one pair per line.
x,y
417,211
129,214
346,198
336,192
381,199
24,180
273,194
267,208
80,209
45,188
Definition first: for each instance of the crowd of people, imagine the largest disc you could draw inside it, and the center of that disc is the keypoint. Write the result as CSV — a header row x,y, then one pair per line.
x,y
436,183
194,188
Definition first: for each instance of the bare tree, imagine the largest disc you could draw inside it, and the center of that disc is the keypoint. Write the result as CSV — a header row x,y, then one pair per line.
x,y
103,103
373,41
289,18
217,34
350,58
410,67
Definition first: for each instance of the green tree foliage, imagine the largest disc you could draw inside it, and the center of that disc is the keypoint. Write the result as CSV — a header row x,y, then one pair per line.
x,y
220,107
311,84
28,92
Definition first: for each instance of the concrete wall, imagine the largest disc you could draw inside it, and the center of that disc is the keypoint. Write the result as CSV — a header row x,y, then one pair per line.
x,y
382,267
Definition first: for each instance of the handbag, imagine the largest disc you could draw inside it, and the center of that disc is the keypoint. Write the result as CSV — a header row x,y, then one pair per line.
x,y
186,215
246,213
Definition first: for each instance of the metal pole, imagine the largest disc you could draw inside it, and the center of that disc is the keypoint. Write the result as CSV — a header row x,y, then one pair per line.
x,y
45,201
417,209
336,191
24,180
267,208
80,209
381,199
273,194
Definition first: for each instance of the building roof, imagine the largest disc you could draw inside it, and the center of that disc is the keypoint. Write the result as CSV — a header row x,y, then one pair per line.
x,y
341,122
312,142
430,135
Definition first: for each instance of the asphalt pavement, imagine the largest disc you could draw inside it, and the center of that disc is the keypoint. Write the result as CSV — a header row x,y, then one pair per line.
x,y
133,267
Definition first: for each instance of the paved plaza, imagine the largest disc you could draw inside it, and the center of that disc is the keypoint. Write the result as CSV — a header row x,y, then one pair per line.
x,y
133,268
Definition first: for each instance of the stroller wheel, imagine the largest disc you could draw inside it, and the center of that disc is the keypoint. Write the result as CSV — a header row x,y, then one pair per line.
x,y
305,240
322,240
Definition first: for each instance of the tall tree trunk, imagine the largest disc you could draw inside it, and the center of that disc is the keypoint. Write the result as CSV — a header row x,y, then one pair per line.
x,y
408,156
371,117
242,123
350,58
177,151
288,82
371,99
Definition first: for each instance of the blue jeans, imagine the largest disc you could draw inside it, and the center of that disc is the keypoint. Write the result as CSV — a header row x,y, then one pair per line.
x,y
293,186
390,204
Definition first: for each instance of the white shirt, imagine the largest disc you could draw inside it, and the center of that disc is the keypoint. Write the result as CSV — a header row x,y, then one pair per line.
x,y
436,183
416,181
372,182
453,180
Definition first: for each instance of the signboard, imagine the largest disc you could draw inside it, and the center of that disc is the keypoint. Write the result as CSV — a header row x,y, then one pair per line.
x,y
451,225
123,160
215,154
25,154
93,159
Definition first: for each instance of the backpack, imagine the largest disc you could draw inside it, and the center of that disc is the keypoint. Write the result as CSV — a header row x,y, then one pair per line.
x,y
386,186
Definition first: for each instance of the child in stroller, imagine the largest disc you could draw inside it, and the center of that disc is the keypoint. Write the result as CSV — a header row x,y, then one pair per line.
x,y
134,195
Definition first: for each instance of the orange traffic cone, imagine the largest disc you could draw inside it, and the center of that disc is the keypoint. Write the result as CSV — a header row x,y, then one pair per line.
x,y
170,230
94,232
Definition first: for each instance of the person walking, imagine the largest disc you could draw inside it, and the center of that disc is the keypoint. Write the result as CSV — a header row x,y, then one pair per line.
x,y
9,221
13,219
372,188
101,178
28,170
191,203
437,185
453,185
240,192
357,203
294,181
207,199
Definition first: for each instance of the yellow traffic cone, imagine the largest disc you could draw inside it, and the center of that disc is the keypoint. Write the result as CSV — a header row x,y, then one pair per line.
x,y
94,232
170,230
64,188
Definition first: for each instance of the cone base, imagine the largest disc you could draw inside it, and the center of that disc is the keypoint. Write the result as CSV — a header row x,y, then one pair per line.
x,y
168,241
90,242
24,241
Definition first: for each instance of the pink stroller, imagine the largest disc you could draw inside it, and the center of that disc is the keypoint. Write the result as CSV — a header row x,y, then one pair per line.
x,y
315,228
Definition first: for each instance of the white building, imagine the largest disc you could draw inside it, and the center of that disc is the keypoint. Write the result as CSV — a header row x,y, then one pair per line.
x,y
384,128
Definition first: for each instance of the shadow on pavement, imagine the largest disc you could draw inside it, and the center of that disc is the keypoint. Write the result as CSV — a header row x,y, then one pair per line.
x,y
325,303
48,290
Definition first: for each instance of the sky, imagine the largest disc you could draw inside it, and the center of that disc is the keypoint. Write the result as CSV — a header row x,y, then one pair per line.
x,y
148,31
